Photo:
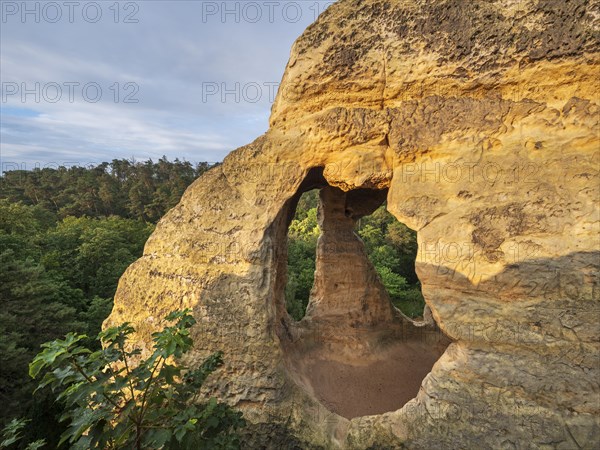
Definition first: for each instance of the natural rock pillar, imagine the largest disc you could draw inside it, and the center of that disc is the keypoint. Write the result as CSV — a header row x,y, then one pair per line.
x,y
347,290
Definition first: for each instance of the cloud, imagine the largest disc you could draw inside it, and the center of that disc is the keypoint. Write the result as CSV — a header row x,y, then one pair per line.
x,y
170,61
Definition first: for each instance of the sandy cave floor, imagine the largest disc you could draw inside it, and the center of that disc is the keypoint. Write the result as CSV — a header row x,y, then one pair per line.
x,y
380,384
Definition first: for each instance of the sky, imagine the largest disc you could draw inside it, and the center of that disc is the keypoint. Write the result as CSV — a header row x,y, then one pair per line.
x,y
84,82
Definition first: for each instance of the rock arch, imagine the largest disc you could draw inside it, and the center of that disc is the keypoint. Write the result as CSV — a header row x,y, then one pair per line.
x,y
480,119
353,352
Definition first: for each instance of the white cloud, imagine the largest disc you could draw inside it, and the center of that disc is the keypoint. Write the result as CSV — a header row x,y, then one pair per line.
x,y
168,54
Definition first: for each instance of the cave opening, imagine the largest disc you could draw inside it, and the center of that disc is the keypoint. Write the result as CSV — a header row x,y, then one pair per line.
x,y
347,344
390,245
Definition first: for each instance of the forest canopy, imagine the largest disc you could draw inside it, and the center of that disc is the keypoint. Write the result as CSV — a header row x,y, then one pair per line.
x,y
66,237
68,234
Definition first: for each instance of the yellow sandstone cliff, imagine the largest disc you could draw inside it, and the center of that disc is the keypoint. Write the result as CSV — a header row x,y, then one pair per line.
x,y
478,122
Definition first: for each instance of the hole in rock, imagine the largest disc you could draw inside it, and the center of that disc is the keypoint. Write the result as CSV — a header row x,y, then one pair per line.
x,y
303,233
390,246
348,301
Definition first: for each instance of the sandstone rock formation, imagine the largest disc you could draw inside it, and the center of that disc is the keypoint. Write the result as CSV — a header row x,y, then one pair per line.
x,y
478,122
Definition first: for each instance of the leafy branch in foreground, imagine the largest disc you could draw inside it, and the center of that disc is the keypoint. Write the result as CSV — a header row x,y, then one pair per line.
x,y
154,405
11,434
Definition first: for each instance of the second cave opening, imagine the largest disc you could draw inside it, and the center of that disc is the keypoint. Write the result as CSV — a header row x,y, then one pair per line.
x,y
390,246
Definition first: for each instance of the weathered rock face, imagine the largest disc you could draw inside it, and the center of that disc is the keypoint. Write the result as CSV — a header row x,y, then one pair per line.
x,y
347,291
479,121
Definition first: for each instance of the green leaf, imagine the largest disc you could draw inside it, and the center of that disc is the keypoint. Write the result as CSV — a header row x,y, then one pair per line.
x,y
96,391
35,445
12,432
157,437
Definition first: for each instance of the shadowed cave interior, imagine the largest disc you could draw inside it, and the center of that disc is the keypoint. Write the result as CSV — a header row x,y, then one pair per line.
x,y
353,351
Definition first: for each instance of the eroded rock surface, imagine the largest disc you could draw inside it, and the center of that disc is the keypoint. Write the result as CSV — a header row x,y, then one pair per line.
x,y
347,292
480,121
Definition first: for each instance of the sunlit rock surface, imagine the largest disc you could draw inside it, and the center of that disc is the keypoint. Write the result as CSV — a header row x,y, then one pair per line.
x,y
478,121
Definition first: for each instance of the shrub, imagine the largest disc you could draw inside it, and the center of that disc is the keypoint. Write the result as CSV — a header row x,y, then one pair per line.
x,y
112,405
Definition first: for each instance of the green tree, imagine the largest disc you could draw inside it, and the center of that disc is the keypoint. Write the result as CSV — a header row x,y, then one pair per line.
x,y
36,307
301,270
53,278
99,251
393,282
385,256
372,236
410,301
306,228
302,247
112,405
137,190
